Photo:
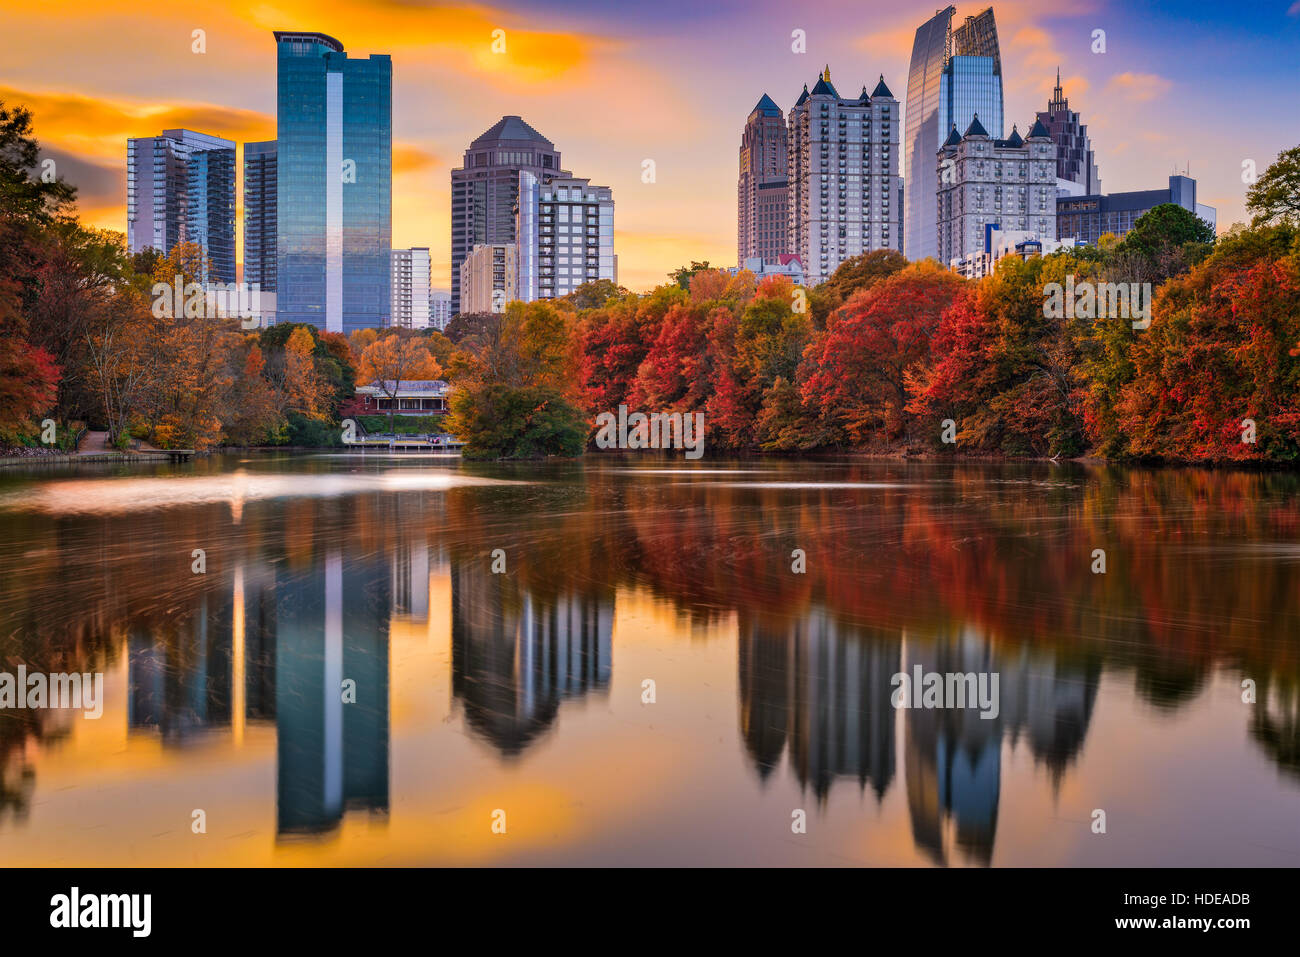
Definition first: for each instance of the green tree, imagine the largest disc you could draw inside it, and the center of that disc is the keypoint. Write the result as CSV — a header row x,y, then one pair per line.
x,y
1275,196
683,275
500,422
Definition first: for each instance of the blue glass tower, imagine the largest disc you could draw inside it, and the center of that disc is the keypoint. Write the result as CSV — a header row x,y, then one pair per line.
x,y
956,72
334,209
181,189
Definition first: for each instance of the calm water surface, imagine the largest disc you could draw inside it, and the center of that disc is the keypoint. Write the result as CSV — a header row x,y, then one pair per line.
x,y
524,691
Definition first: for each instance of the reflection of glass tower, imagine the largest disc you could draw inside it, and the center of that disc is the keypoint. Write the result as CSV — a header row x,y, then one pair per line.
x,y
514,657
179,675
954,757
331,625
334,168
824,690
954,75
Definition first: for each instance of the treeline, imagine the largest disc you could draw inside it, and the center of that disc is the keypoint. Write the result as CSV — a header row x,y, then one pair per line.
x,y
885,356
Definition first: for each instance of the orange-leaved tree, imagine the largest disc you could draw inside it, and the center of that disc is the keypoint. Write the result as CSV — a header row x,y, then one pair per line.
x,y
394,359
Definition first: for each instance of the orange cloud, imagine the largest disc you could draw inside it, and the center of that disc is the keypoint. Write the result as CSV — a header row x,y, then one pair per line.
x,y
515,53
100,128
1138,87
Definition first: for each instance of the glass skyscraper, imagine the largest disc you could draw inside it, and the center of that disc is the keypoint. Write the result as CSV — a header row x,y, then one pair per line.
x,y
180,188
334,209
955,74
259,214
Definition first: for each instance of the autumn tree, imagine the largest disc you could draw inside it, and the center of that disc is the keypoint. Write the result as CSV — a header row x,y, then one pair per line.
x,y
515,386
388,362
854,275
859,367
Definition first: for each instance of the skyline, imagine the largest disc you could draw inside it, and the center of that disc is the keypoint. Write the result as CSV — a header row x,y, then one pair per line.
x,y
674,85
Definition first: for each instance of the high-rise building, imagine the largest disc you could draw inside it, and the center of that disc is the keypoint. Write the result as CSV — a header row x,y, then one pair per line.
x,y
259,214
843,176
566,236
1088,218
259,225
485,190
488,277
439,308
762,221
955,73
1075,161
180,188
411,288
987,183
334,206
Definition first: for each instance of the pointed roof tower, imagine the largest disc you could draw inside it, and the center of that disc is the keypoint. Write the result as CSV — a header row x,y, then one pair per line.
x,y
1039,131
1014,139
823,87
976,128
954,138
881,89
766,106
802,96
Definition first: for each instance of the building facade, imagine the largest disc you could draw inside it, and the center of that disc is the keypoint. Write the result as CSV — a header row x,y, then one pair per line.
x,y
987,183
954,74
485,190
1088,218
334,205
843,176
488,277
762,220
411,288
259,214
1075,160
180,188
565,230
439,308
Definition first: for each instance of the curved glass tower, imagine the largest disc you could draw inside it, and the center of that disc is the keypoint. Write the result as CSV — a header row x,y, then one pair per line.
x,y
955,74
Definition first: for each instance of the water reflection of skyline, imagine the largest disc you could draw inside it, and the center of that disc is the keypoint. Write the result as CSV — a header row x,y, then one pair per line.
x,y
299,606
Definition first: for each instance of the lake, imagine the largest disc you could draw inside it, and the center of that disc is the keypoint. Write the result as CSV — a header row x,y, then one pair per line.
x,y
334,660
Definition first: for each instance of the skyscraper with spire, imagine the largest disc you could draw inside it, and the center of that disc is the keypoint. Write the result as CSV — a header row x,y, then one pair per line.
x,y
843,176
762,213
955,74
1075,160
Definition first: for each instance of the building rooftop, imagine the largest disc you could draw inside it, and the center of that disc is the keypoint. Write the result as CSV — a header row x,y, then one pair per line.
x,y
298,35
766,106
511,128
415,387
976,128
1039,130
824,87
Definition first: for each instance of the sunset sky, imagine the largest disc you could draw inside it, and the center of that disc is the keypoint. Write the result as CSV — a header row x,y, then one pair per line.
x,y
1195,85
